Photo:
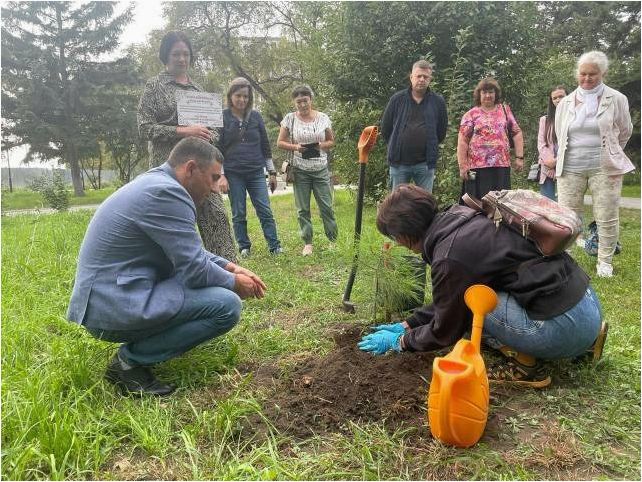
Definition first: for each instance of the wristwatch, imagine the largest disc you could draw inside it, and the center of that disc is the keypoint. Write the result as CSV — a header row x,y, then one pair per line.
x,y
519,157
272,173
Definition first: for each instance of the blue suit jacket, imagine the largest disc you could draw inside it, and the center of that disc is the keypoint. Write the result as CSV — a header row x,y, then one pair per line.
x,y
140,251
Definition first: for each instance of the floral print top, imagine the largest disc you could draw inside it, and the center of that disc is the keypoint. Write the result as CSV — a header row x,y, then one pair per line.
x,y
488,143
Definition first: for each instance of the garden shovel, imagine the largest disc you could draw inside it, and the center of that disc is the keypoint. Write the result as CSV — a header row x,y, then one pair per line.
x,y
365,145
458,397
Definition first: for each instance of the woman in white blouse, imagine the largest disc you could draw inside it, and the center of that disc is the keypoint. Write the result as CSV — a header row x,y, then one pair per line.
x,y
307,133
593,124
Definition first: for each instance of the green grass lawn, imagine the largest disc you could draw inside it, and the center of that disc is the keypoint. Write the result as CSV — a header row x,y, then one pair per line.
x,y
60,420
27,199
631,190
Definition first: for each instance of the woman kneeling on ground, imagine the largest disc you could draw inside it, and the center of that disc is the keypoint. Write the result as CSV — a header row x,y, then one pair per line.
x,y
546,307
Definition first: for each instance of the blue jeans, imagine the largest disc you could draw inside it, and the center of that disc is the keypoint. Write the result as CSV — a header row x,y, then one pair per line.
x,y
206,313
564,336
548,189
252,182
421,174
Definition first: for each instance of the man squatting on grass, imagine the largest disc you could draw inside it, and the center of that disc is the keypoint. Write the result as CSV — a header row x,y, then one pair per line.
x,y
144,277
546,307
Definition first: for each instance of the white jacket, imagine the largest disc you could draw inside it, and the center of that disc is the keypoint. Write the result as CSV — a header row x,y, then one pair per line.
x,y
614,121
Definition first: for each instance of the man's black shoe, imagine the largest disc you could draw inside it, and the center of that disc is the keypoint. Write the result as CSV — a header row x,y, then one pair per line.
x,y
136,381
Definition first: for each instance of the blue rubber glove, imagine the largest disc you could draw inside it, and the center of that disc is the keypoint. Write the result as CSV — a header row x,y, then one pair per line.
x,y
393,328
380,342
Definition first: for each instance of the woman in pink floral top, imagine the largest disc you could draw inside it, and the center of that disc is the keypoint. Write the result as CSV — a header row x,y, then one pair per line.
x,y
483,150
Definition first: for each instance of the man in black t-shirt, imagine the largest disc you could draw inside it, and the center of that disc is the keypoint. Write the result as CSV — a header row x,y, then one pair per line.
x,y
413,125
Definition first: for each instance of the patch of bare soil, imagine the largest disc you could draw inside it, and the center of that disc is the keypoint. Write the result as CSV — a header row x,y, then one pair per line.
x,y
322,395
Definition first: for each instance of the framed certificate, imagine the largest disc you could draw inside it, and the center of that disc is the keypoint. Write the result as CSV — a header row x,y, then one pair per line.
x,y
201,108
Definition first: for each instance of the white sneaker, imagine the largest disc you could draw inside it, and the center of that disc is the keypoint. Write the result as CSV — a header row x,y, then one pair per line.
x,y
604,270
245,253
307,250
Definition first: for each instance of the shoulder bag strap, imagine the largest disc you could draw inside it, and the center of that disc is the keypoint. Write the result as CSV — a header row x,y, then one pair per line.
x,y
508,122
292,137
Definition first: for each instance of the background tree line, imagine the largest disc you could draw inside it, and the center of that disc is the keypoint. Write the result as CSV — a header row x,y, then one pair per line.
x,y
58,98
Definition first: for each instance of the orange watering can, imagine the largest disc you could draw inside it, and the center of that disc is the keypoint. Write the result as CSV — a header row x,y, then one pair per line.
x,y
458,396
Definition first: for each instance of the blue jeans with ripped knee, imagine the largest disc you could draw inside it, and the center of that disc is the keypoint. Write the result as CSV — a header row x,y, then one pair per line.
x,y
564,336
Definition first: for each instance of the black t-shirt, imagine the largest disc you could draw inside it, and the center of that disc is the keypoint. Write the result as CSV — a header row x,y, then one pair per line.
x,y
413,137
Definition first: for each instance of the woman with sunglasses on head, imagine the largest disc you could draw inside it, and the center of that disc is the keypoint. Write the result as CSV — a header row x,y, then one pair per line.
x,y
246,147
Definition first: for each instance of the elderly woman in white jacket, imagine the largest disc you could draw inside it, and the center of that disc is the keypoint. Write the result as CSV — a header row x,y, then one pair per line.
x,y
593,124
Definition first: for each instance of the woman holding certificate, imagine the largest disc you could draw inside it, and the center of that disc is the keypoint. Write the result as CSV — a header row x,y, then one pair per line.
x,y
158,123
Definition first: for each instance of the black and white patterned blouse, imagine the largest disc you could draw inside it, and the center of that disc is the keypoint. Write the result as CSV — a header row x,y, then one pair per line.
x,y
157,121
158,116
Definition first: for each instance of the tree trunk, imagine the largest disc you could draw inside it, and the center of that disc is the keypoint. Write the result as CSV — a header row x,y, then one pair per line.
x,y
214,227
9,169
100,166
76,175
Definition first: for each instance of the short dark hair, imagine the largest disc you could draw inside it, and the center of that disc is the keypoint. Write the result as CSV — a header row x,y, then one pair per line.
x,y
238,84
406,212
168,41
204,153
302,90
485,85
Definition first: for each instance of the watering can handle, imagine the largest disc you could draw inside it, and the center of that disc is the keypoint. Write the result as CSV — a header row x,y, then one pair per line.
x,y
444,401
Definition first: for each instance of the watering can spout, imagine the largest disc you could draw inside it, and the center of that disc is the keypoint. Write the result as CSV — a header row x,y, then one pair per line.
x,y
480,299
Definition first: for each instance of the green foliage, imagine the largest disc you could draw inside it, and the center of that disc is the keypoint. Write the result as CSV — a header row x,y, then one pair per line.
x,y
55,93
53,190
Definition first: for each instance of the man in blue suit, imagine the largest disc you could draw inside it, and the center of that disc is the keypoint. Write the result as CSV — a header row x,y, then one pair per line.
x,y
144,278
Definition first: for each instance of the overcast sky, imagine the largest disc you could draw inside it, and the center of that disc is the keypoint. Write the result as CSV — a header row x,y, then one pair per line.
x,y
147,17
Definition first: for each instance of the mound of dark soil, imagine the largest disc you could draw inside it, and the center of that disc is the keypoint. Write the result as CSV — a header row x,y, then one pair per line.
x,y
323,394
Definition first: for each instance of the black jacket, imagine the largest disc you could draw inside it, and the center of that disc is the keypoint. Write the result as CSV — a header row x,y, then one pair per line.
x,y
463,248
395,118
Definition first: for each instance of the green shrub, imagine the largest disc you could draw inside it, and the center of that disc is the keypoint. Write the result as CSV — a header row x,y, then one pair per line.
x,y
53,190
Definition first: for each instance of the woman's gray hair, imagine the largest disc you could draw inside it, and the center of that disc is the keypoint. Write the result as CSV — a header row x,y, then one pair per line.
x,y
594,57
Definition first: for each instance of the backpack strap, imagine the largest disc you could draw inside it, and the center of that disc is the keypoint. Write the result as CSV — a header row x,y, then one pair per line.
x,y
472,202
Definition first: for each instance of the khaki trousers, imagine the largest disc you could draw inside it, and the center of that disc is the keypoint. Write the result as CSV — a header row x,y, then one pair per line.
x,y
606,192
